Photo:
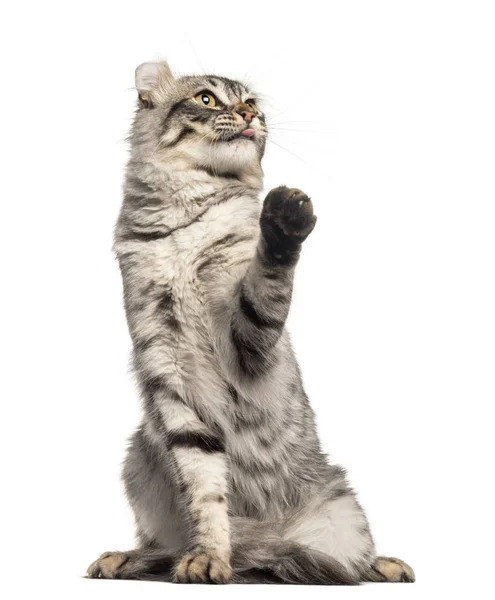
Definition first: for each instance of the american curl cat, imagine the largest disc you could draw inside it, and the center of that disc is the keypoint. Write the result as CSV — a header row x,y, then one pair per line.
x,y
225,473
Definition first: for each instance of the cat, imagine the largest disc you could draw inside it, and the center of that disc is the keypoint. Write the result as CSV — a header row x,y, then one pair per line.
x,y
225,474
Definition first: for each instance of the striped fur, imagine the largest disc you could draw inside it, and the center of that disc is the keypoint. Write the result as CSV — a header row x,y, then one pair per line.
x,y
225,474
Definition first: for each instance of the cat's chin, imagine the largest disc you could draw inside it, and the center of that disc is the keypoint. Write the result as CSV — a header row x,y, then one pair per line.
x,y
233,156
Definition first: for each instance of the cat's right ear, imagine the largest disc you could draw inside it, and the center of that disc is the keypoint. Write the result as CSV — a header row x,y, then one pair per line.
x,y
152,81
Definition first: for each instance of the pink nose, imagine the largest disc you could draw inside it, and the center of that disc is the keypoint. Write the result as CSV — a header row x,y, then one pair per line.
x,y
246,115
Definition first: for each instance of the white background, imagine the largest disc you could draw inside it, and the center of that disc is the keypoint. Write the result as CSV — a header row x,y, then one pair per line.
x,y
390,107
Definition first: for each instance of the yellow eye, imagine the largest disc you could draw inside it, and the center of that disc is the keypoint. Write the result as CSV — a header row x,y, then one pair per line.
x,y
251,102
206,99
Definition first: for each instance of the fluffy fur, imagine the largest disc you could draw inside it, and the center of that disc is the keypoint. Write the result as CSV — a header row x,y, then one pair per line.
x,y
225,474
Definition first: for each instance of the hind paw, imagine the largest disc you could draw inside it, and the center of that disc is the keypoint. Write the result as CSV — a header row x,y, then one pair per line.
x,y
110,565
393,570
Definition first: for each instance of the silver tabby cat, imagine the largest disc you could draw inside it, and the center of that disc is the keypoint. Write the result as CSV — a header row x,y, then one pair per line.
x,y
225,474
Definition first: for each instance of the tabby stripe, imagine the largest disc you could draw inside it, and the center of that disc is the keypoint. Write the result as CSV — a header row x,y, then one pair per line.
x,y
143,344
210,253
185,132
213,173
148,236
214,260
143,200
273,274
208,442
141,186
166,302
233,393
231,239
156,384
175,107
199,117
279,297
249,311
165,311
251,360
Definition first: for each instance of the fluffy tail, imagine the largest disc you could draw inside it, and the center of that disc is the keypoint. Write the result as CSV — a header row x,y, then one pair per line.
x,y
287,562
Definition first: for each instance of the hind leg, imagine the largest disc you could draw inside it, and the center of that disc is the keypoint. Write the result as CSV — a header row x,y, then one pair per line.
x,y
335,524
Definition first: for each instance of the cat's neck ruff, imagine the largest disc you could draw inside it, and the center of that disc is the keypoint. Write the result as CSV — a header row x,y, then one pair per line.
x,y
180,173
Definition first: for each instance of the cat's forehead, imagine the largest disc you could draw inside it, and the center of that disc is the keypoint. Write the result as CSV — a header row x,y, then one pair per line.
x,y
226,90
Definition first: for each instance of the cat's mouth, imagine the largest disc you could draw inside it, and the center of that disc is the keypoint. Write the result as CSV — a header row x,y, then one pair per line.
x,y
246,134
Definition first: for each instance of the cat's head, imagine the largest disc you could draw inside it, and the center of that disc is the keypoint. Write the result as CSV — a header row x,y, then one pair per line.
x,y
213,122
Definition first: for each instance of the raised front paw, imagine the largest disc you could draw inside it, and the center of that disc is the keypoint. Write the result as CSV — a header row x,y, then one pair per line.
x,y
202,567
287,217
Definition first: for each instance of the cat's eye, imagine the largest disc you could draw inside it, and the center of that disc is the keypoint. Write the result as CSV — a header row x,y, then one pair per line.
x,y
206,99
251,102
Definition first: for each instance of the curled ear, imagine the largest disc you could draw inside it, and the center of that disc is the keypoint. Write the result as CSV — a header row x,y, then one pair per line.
x,y
152,81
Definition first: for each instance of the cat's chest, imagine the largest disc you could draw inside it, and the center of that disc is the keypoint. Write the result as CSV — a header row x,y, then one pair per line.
x,y
208,257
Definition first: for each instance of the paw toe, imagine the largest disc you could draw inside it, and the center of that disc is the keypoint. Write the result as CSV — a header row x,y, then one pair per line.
x,y
107,566
395,570
202,568
220,572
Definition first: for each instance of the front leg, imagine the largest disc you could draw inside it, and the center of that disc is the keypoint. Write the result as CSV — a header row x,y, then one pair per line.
x,y
201,470
177,442
263,296
197,457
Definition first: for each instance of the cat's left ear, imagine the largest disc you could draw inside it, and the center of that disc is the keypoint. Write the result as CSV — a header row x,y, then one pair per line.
x,y
152,81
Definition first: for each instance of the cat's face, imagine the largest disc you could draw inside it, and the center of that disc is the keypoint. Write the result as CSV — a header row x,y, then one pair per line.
x,y
214,122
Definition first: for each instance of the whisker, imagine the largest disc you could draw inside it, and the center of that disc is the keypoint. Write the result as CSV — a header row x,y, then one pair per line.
x,y
205,136
291,122
279,114
271,128
289,151
310,166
